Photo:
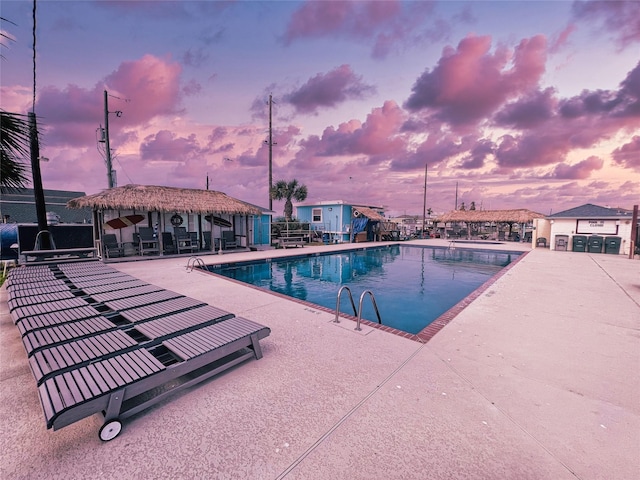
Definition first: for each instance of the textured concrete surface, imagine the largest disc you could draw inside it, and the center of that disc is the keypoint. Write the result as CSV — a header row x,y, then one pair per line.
x,y
536,379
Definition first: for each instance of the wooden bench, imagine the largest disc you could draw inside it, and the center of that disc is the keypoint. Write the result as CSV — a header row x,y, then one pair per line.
x,y
285,242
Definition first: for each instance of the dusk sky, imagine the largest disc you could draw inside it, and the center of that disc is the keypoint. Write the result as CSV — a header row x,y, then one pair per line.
x,y
520,104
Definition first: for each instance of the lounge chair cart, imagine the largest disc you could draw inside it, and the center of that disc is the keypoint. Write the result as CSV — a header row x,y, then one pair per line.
x,y
100,341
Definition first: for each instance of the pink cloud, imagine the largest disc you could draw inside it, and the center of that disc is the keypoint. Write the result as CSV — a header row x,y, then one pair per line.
x,y
388,26
478,154
563,125
529,110
165,145
71,115
580,171
561,39
376,137
435,149
315,19
617,18
470,83
151,85
628,155
328,90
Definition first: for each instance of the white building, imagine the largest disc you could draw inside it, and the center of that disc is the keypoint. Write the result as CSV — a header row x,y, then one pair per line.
x,y
587,228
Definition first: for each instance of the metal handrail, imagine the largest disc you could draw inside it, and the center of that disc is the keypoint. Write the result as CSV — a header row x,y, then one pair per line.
x,y
375,307
355,312
193,261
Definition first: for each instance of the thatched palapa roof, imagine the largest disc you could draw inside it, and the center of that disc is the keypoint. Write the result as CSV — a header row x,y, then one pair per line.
x,y
507,216
164,199
370,213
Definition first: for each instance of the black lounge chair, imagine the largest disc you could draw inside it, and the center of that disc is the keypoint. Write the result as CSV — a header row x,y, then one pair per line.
x,y
146,345
112,248
183,240
148,242
167,243
229,239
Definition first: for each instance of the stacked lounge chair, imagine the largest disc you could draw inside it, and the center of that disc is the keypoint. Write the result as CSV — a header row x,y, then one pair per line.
x,y
101,341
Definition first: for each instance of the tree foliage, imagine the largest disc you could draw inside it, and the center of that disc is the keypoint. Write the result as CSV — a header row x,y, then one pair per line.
x,y
14,148
284,190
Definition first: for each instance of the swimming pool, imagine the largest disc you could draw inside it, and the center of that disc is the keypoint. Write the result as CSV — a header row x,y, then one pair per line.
x,y
412,285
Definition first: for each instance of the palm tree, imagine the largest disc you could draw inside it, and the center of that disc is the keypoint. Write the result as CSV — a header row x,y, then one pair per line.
x,y
288,190
14,146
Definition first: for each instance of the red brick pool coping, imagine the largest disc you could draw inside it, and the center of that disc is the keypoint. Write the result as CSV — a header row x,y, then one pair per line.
x,y
425,334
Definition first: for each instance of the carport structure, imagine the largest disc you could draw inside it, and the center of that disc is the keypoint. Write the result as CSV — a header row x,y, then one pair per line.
x,y
162,208
475,218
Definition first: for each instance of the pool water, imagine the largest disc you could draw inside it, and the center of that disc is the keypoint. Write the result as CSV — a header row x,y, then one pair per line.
x,y
412,285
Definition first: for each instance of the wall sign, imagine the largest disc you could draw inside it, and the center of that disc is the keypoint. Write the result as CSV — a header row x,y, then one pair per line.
x,y
597,227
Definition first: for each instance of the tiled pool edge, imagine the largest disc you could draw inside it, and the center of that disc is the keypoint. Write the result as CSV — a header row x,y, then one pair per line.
x,y
425,334
443,320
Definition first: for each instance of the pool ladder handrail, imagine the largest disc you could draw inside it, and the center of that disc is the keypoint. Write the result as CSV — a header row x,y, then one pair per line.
x,y
357,312
375,308
193,262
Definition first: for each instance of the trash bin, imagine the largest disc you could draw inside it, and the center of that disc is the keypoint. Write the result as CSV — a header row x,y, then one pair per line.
x,y
612,245
325,238
595,244
579,243
561,242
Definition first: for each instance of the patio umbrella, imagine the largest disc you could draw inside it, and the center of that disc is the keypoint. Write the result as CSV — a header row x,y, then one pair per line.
x,y
122,222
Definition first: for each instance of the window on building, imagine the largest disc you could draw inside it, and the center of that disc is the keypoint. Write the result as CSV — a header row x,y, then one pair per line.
x,y
316,215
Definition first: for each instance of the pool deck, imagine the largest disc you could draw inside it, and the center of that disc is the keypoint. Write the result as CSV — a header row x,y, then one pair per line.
x,y
537,378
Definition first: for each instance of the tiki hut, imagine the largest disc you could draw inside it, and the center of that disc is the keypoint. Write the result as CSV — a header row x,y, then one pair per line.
x,y
123,210
476,218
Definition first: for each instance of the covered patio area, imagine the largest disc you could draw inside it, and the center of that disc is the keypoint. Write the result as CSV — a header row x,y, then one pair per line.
x,y
146,220
497,225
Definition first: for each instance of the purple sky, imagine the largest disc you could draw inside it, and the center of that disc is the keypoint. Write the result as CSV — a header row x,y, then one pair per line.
x,y
520,104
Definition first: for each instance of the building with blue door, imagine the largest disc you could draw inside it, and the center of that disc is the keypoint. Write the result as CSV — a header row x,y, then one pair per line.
x,y
344,222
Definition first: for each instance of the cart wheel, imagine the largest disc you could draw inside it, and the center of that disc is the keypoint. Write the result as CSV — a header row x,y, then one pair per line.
x,y
110,430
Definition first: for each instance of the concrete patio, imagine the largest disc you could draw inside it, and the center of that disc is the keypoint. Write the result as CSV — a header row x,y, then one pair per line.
x,y
536,379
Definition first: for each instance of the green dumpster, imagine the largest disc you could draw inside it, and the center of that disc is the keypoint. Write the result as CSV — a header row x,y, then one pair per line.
x,y
612,245
595,244
579,243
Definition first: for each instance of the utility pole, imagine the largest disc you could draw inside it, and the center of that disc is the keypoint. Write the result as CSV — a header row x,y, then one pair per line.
x,y
107,145
456,196
424,203
271,144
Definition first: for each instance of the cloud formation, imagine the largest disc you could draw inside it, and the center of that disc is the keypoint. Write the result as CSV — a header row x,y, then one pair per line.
x,y
616,18
141,90
388,26
470,83
483,111
628,155
329,90
580,171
